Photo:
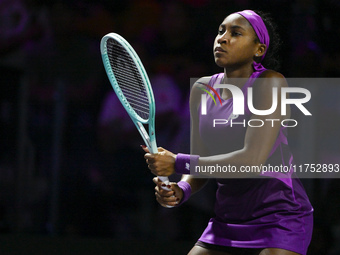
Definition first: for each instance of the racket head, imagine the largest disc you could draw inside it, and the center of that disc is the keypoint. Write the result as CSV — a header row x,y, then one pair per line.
x,y
128,78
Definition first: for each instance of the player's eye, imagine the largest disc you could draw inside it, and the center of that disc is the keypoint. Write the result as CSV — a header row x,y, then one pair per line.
x,y
221,30
234,33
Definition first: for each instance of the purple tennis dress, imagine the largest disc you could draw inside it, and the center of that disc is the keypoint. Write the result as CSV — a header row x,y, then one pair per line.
x,y
255,212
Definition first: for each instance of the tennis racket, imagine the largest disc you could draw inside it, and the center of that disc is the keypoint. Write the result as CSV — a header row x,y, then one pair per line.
x,y
132,86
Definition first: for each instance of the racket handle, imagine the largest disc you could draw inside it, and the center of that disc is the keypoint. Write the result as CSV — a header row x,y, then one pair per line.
x,y
165,180
153,149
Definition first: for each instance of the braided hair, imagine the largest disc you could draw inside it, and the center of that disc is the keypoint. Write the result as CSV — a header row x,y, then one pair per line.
x,y
271,60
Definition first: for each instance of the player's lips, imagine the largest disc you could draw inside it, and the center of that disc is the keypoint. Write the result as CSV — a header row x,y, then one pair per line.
x,y
219,49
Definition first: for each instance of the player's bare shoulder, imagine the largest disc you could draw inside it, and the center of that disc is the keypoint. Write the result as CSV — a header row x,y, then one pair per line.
x,y
195,93
271,78
201,81
266,87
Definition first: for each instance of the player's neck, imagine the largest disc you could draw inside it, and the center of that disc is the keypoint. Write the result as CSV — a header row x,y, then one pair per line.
x,y
232,75
240,72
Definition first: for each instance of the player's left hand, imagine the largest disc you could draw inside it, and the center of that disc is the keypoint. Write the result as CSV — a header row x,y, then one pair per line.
x,y
161,164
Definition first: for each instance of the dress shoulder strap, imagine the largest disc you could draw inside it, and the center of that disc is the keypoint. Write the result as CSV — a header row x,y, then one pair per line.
x,y
216,78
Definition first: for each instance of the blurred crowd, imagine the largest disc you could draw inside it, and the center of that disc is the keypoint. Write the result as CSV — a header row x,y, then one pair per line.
x,y
70,158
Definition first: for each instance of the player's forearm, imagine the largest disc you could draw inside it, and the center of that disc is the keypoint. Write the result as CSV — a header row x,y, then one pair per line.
x,y
230,165
195,183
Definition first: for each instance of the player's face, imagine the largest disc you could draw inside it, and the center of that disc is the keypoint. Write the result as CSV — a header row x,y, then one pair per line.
x,y
235,44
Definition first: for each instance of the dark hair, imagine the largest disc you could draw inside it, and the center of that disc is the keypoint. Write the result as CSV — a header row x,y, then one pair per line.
x,y
271,60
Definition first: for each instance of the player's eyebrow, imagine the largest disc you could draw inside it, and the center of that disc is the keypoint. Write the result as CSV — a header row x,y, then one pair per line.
x,y
223,25
237,27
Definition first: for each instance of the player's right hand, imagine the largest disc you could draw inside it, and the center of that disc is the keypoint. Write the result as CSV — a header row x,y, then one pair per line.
x,y
167,198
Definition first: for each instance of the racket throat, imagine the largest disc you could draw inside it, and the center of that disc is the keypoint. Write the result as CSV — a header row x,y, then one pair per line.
x,y
152,148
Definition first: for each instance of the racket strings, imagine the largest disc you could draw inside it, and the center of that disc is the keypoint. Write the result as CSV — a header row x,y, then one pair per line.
x,y
128,78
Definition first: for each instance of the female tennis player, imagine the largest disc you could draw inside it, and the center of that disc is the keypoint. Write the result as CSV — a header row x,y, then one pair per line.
x,y
269,214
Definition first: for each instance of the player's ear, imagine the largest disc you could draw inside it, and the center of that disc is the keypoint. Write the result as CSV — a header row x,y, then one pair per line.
x,y
261,50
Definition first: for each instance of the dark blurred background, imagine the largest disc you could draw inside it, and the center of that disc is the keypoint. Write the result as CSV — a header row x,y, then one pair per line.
x,y
72,175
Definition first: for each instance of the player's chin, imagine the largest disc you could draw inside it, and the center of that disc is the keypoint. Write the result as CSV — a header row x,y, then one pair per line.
x,y
221,62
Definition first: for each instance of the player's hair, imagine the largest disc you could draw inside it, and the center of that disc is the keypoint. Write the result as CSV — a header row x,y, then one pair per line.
x,y
271,59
